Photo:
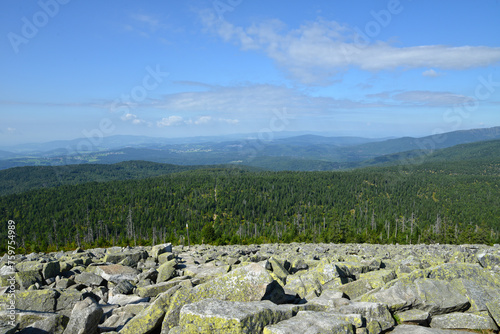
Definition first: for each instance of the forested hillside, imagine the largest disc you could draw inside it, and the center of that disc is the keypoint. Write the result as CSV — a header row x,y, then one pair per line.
x,y
426,203
21,179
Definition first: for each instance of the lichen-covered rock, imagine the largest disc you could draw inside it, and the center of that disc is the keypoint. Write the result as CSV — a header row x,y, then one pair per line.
x,y
67,299
119,299
278,269
155,289
29,265
413,317
248,283
160,249
488,260
494,310
151,317
27,278
166,271
216,316
85,318
464,321
37,300
51,269
133,255
371,311
24,319
54,324
165,257
356,289
124,288
116,273
90,279
378,278
433,296
311,322
412,329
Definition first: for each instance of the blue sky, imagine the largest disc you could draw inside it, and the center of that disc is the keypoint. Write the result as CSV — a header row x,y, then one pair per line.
x,y
72,68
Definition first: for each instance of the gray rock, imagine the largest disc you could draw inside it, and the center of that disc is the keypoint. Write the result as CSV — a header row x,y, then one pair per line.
x,y
212,315
160,249
488,261
64,283
27,278
371,311
166,271
51,269
356,289
90,279
84,318
311,322
494,310
55,324
116,273
37,300
124,287
433,296
119,299
413,317
150,318
464,321
165,257
133,255
411,329
155,289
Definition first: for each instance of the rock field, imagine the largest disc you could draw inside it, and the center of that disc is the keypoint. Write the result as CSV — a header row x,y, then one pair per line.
x,y
273,289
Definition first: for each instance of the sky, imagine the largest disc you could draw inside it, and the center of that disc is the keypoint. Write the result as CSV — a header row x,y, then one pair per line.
x,y
72,68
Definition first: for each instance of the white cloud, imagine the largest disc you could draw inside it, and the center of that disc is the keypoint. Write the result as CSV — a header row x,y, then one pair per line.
x,y
431,73
170,121
203,120
317,51
425,98
253,101
11,130
128,117
229,121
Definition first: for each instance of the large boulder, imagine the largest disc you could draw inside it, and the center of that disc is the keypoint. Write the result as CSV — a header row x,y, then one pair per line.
x,y
54,324
116,273
411,329
248,283
27,278
166,271
157,250
213,315
90,279
371,312
37,300
479,322
311,322
85,318
433,296
51,269
133,256
151,317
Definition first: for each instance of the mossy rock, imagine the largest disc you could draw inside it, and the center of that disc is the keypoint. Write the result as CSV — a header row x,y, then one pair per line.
x,y
150,318
216,316
37,300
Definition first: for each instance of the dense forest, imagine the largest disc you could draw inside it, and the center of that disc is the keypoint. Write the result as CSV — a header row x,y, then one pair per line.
x,y
441,202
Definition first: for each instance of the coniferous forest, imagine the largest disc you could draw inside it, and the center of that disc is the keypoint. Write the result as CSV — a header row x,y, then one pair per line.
x,y
427,203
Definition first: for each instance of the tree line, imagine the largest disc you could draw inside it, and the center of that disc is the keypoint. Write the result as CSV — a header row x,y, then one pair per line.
x,y
424,204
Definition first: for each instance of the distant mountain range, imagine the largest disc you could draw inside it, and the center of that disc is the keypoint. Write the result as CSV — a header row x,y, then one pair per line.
x,y
298,152
478,158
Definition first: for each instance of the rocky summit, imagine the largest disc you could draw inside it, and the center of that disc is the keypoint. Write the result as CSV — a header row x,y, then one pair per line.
x,y
272,288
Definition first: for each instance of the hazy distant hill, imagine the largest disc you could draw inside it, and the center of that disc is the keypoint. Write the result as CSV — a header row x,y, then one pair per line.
x,y
304,152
